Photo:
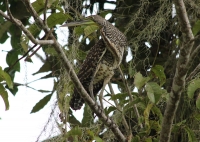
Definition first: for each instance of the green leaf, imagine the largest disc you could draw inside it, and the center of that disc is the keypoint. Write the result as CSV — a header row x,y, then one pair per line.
x,y
72,120
136,139
3,31
196,27
38,5
76,131
34,29
6,77
81,54
158,112
155,140
192,87
11,72
191,135
176,127
11,58
15,41
41,103
197,116
131,70
79,30
110,109
119,96
44,91
90,133
148,140
159,72
97,139
178,42
51,51
57,18
14,90
4,95
131,104
140,81
198,102
154,91
47,76
45,68
87,117
155,125
24,42
146,115
90,29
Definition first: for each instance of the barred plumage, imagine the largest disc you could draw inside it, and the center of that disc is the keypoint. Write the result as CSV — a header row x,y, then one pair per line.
x,y
86,72
104,57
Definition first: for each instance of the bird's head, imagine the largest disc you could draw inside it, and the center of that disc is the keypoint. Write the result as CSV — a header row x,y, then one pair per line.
x,y
90,20
97,19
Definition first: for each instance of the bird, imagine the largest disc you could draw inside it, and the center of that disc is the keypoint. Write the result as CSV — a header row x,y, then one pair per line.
x,y
101,61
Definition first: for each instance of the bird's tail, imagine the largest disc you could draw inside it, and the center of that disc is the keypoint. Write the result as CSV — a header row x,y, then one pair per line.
x,y
76,102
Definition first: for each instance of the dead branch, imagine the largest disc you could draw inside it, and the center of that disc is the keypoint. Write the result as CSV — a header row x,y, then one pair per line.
x,y
181,71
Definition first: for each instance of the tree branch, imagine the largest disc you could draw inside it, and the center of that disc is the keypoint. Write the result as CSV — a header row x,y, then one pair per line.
x,y
128,130
181,70
131,98
94,107
192,74
26,32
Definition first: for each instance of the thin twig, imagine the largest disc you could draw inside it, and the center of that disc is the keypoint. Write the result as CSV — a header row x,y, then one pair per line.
x,y
128,130
195,39
45,11
157,50
45,37
40,57
194,53
192,74
26,32
94,107
21,58
131,97
101,101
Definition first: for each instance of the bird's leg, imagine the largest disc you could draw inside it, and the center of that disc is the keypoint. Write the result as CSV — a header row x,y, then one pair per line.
x,y
91,89
106,80
91,83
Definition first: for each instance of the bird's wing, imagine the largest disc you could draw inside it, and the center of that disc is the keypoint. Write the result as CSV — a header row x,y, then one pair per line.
x,y
86,72
90,64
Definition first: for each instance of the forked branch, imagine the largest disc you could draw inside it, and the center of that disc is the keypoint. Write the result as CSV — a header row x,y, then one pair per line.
x,y
94,107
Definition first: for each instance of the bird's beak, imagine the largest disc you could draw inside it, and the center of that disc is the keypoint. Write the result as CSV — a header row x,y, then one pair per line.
x,y
78,23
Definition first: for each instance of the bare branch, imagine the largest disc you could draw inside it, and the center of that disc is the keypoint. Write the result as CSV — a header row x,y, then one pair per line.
x,y
195,71
131,97
119,108
181,70
26,32
20,58
34,52
195,53
45,11
94,107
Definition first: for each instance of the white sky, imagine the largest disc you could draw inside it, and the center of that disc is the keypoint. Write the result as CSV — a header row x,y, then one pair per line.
x,y
17,124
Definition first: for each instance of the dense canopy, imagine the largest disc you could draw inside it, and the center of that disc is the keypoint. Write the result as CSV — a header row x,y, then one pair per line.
x,y
158,84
